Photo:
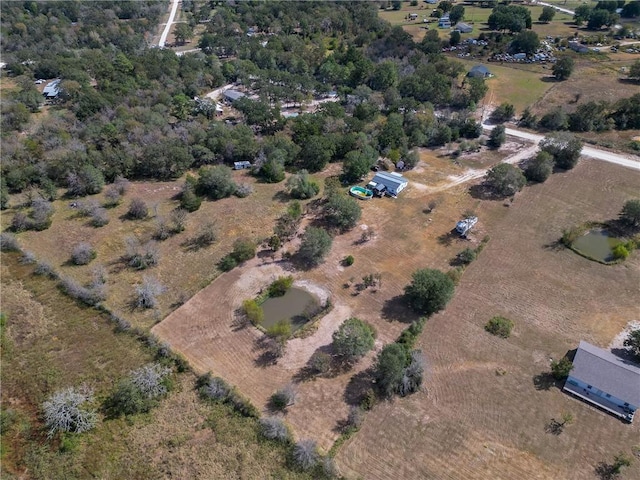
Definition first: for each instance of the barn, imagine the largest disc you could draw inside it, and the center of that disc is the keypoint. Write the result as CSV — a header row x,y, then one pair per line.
x,y
605,380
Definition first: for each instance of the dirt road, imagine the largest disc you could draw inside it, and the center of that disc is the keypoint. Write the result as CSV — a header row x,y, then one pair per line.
x,y
167,27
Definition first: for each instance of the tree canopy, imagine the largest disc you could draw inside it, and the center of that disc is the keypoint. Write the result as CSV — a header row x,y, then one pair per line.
x,y
429,291
353,339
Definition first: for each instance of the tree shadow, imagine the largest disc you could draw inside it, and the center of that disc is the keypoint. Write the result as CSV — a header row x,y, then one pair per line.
x,y
549,79
544,381
240,320
281,196
446,239
267,356
309,372
554,246
482,192
358,387
629,81
396,309
606,471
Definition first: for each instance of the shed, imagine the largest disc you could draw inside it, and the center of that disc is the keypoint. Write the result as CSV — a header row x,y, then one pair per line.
x,y
463,27
393,182
52,89
605,380
241,165
479,71
232,95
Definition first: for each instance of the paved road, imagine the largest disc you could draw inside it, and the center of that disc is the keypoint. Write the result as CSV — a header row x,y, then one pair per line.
x,y
167,27
560,9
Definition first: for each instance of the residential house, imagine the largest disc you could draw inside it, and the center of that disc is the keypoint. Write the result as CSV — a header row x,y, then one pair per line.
x,y
231,96
479,71
241,165
392,182
463,27
52,89
605,380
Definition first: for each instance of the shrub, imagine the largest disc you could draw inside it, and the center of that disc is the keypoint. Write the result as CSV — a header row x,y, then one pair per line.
x,y
348,261
139,256
205,237
214,388
630,213
353,339
243,190
497,137
243,249
274,428
28,258
409,335
283,398
429,291
112,197
280,331
455,274
499,326
280,286
564,147
127,399
45,269
86,208
99,217
147,292
632,342
305,454
91,295
560,369
355,418
151,380
320,363
87,181
466,256
215,182
369,400
8,242
302,186
253,311
620,252
227,263
505,179
503,113
138,209
67,411
539,168
82,254
188,199
389,369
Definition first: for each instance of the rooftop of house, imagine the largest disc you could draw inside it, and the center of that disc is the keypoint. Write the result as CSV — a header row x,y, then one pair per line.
x,y
607,372
384,177
233,94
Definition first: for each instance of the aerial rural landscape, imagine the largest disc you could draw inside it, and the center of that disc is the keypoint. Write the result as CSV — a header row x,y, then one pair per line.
x,y
317,239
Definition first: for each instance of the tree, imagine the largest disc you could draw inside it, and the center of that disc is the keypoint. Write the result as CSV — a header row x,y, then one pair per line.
x,y
412,375
581,14
526,42
547,14
539,168
147,292
138,209
316,152
503,113
342,212
390,367
305,452
284,397
631,10
632,342
599,18
356,165
315,245
150,379
454,37
497,137
630,213
88,180
302,186
429,291
560,369
384,76
499,326
183,32
188,198
634,70
353,339
477,89
564,147
563,68
514,18
67,411
505,179
215,182
456,14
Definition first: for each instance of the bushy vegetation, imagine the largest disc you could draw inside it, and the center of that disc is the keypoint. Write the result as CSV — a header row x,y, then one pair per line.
x,y
315,245
564,148
499,326
69,410
284,397
505,180
82,254
147,292
274,428
280,286
560,369
632,342
305,454
302,186
217,390
630,213
9,242
539,168
140,391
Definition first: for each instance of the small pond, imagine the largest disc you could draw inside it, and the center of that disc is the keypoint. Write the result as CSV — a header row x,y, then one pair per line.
x,y
296,306
597,244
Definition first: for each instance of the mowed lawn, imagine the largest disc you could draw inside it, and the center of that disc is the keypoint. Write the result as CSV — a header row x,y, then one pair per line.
x,y
483,411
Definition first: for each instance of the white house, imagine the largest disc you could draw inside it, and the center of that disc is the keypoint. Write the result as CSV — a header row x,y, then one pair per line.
x,y
609,382
393,183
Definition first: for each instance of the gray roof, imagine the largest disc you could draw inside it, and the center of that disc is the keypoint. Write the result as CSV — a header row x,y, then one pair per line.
x,y
233,94
464,26
52,89
389,179
607,372
480,69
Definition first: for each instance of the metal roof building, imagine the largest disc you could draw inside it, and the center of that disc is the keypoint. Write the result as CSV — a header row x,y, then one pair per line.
x,y
605,380
52,89
394,182
232,95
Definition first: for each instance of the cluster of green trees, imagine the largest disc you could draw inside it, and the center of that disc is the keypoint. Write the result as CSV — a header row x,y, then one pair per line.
x,y
595,116
604,13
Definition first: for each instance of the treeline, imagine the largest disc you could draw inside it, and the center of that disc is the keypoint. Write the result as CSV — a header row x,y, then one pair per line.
x,y
131,112
592,116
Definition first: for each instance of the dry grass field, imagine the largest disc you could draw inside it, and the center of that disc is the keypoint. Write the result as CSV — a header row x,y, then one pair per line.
x,y
473,422
496,423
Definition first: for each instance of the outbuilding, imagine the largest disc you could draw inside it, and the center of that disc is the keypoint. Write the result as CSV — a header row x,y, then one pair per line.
x,y
479,71
52,89
241,165
393,182
232,95
605,380
463,27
